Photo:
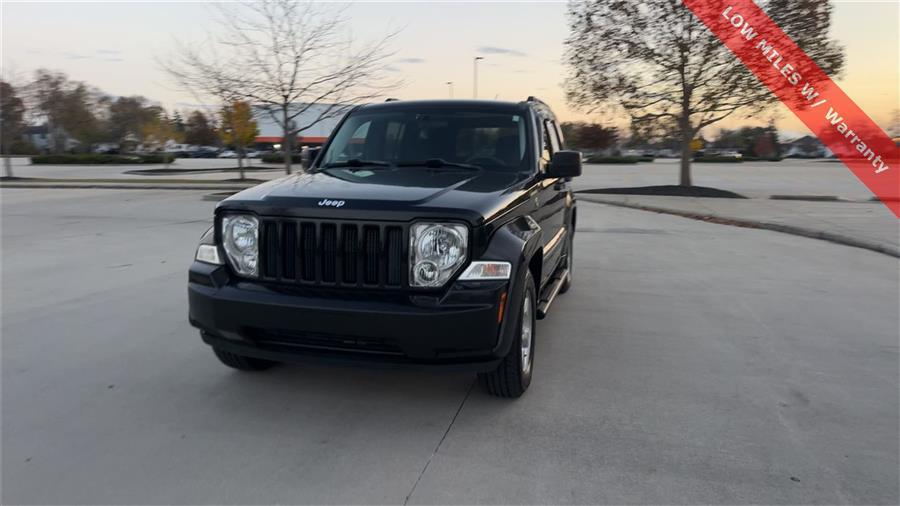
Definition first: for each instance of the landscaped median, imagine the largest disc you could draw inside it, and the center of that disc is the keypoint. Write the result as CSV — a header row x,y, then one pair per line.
x,y
600,160
100,159
128,183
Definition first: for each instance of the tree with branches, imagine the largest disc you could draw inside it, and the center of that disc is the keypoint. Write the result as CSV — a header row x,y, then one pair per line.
x,y
238,129
661,65
12,112
200,129
295,62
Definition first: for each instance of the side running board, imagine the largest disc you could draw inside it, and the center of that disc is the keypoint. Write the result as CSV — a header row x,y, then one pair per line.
x,y
550,292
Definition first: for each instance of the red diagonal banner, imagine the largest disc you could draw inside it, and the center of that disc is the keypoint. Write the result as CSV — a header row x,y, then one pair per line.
x,y
805,88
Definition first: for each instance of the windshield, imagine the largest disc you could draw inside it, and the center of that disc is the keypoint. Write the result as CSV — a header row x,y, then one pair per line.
x,y
485,139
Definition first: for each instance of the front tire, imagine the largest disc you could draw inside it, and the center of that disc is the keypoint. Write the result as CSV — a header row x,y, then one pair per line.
x,y
241,362
513,375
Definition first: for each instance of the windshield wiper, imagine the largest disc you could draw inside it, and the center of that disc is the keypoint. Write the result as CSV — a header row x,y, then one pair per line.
x,y
436,163
356,162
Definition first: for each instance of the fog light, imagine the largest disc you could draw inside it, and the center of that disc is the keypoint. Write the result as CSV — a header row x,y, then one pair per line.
x,y
426,273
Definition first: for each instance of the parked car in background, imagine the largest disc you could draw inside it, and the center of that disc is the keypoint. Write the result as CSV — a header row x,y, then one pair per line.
x,y
106,148
731,154
205,152
719,153
227,154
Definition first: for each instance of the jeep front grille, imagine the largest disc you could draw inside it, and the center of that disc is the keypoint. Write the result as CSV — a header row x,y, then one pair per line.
x,y
332,253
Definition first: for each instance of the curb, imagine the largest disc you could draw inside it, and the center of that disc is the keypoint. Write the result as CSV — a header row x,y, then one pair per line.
x,y
763,225
809,198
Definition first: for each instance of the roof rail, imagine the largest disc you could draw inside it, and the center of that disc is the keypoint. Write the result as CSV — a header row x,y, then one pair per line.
x,y
392,99
532,98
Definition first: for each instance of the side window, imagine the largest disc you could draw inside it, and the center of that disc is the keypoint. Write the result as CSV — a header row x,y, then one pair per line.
x,y
552,138
546,146
559,135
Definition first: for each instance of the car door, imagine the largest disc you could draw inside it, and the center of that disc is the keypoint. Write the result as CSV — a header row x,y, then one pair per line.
x,y
550,194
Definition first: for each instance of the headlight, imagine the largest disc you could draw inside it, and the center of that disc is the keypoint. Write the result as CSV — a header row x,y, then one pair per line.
x,y
436,251
240,235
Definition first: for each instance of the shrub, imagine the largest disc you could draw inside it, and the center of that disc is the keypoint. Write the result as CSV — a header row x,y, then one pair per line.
x,y
614,159
23,148
717,159
99,159
758,159
279,158
157,158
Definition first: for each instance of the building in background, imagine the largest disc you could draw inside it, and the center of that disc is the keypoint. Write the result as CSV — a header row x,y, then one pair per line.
x,y
804,147
271,135
40,137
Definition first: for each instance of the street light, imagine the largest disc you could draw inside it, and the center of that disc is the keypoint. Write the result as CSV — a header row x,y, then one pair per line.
x,y
450,85
475,76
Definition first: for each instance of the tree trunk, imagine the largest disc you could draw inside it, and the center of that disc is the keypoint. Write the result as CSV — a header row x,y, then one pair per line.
x,y
241,163
684,122
7,166
685,174
288,143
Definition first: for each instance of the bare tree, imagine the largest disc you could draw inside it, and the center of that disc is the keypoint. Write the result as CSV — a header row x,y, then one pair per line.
x,y
669,73
297,62
12,111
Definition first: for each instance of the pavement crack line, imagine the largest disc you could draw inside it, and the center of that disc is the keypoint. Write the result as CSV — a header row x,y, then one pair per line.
x,y
443,437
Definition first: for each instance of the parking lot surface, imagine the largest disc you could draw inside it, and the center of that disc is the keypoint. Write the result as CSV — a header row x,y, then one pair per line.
x,y
690,363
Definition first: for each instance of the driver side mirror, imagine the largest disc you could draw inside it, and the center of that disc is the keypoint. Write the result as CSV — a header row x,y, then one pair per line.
x,y
308,156
565,164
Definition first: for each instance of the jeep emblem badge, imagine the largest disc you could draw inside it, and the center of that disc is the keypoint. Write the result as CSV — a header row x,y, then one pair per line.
x,y
331,203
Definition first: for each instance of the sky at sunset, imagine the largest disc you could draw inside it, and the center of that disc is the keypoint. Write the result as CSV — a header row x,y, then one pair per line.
x,y
114,46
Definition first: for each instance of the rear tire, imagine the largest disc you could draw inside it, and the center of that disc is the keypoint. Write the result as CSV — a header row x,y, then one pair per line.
x,y
241,362
513,375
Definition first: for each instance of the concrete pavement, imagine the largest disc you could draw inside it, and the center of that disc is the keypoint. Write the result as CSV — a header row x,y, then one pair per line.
x,y
868,225
690,363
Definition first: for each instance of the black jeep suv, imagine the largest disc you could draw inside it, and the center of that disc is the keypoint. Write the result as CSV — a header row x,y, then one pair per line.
x,y
426,232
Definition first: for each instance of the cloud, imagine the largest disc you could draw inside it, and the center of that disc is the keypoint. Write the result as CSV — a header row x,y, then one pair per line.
x,y
411,60
114,59
75,56
500,50
110,52
391,68
523,72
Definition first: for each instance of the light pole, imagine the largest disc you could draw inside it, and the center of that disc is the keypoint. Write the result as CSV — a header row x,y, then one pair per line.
x,y
475,76
450,86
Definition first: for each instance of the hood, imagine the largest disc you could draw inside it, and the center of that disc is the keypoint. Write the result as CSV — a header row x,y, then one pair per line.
x,y
396,193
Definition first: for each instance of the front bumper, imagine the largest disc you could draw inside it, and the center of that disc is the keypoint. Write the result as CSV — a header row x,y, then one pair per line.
x,y
456,329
